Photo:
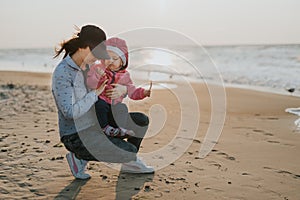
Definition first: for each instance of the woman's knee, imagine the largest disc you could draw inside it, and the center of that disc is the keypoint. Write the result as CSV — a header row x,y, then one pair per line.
x,y
140,118
120,108
124,145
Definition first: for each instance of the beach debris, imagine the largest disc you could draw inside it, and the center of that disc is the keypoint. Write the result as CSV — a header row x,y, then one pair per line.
x,y
50,130
230,158
9,86
104,177
57,158
245,174
23,151
290,90
3,96
58,145
147,188
169,181
47,141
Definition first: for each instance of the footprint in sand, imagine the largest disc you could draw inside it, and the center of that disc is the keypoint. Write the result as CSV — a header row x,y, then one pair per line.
x,y
284,172
226,156
296,176
212,190
272,141
242,127
217,165
273,118
245,174
262,131
268,134
258,131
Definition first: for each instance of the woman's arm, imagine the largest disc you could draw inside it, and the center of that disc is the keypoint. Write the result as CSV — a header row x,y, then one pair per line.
x,y
95,76
64,94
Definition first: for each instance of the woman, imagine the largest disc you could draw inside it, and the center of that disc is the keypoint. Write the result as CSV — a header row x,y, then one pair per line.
x,y
78,127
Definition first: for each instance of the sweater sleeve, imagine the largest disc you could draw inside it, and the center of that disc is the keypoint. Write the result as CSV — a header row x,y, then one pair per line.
x,y
63,91
135,93
93,78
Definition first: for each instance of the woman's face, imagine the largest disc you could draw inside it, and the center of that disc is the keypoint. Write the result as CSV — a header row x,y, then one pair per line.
x,y
114,63
87,56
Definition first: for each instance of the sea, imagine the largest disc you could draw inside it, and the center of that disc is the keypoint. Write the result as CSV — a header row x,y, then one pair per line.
x,y
269,68
272,68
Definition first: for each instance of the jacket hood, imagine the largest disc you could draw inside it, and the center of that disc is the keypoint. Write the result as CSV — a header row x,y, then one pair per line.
x,y
118,46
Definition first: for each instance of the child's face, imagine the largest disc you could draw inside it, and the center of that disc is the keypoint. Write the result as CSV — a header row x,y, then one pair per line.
x,y
115,62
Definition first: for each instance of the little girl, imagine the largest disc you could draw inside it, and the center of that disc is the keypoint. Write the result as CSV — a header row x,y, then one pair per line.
x,y
112,114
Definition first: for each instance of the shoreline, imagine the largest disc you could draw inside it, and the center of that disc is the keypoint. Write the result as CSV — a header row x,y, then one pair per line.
x,y
30,78
39,78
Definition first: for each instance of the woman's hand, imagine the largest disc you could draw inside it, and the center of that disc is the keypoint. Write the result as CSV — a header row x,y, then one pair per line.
x,y
101,88
117,91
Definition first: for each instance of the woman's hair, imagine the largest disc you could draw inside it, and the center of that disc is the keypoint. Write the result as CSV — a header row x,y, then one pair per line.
x,y
70,47
89,36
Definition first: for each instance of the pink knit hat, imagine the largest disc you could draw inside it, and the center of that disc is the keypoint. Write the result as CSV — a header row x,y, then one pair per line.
x,y
119,47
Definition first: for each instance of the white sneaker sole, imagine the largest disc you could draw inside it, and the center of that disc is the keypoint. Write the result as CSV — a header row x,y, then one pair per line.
x,y
137,171
76,175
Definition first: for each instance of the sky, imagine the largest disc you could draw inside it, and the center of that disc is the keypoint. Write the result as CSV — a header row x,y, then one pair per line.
x,y
40,23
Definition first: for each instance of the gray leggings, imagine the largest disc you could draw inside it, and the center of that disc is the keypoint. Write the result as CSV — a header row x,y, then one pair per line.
x,y
93,145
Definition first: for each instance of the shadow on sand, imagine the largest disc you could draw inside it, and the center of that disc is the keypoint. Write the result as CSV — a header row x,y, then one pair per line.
x,y
72,190
129,185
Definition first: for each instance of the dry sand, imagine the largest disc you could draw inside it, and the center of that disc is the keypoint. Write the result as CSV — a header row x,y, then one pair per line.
x,y
255,157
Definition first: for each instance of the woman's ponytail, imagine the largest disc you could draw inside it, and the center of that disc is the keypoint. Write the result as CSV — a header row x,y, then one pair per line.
x,y
70,47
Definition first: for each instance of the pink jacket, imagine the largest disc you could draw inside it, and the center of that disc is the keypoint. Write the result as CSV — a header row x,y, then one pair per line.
x,y
122,77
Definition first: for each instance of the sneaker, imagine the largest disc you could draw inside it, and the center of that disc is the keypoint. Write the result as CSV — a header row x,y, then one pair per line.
x,y
126,132
137,167
117,132
77,166
111,131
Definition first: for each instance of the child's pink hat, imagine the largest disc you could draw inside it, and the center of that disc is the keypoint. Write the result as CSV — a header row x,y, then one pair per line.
x,y
119,47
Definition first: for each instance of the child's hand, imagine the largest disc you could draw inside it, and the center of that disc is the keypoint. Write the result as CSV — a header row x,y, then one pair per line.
x,y
147,93
100,71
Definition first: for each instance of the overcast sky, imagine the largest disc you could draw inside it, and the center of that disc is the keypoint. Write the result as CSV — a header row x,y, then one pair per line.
x,y
39,23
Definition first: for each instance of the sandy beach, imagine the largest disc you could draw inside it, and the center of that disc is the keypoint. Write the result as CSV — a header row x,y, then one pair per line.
x,y
256,156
